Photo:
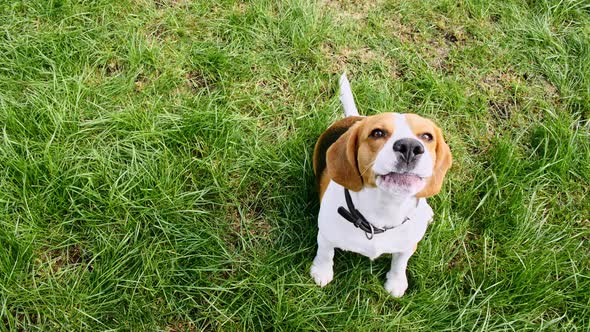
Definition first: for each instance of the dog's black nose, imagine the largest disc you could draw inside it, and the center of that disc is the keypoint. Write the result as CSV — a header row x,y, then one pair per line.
x,y
408,148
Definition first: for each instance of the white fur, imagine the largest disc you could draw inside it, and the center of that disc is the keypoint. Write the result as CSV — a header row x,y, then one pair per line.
x,y
346,97
383,207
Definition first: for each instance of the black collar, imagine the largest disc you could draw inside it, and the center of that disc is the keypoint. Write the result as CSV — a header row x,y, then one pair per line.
x,y
359,221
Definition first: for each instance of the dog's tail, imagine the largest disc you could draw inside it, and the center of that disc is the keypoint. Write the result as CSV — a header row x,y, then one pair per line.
x,y
346,97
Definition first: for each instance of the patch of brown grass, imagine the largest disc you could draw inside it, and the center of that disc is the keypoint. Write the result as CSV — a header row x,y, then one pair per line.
x,y
349,58
181,326
355,9
51,261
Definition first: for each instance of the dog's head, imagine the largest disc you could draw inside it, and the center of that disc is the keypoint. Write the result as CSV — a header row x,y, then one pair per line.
x,y
399,153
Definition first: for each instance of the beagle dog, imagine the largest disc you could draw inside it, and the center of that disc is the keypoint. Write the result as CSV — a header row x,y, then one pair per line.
x,y
374,175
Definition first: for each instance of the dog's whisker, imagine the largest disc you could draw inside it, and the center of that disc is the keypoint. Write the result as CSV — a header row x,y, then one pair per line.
x,y
368,167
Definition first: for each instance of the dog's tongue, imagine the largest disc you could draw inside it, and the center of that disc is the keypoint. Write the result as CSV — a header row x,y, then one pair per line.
x,y
401,179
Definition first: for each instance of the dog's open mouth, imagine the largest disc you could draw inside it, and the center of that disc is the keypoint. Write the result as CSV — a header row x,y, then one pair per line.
x,y
401,179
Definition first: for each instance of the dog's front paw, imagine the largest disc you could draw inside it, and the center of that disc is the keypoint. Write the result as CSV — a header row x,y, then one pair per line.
x,y
396,286
322,275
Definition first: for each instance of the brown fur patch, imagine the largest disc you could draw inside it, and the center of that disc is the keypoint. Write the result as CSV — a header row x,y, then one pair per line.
x,y
369,147
342,162
419,126
329,137
441,153
324,180
351,161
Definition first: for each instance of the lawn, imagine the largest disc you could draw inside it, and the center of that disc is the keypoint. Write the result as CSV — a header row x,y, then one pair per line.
x,y
155,163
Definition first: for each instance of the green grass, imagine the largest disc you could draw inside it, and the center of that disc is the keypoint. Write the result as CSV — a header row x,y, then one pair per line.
x,y
155,163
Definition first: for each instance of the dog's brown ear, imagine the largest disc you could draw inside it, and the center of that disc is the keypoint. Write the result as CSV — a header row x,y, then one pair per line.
x,y
341,160
443,162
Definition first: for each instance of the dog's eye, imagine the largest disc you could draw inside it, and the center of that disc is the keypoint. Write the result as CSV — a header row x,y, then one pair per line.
x,y
427,137
377,133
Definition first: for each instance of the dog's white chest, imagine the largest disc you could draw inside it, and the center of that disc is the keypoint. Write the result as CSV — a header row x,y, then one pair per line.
x,y
344,235
373,248
349,238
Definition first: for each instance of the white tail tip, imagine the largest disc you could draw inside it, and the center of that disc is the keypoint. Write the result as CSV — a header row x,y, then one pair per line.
x,y
346,97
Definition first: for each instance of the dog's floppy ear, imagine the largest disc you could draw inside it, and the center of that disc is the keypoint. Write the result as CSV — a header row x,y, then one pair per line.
x,y
341,160
443,162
